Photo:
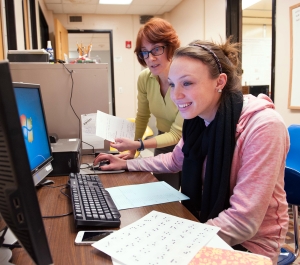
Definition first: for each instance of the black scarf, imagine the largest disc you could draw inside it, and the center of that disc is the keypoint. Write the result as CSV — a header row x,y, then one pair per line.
x,y
217,143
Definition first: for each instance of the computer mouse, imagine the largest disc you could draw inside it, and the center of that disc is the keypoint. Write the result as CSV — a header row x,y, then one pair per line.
x,y
101,163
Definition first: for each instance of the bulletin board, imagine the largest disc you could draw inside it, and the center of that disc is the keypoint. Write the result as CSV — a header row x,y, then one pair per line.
x,y
294,89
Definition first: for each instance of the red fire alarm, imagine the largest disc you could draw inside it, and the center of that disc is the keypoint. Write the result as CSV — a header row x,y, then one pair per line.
x,y
128,44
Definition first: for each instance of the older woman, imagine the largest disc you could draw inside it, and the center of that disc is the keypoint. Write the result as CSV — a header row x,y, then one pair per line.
x,y
155,45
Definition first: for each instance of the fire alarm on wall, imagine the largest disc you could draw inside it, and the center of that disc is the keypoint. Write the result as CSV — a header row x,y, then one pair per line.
x,y
128,44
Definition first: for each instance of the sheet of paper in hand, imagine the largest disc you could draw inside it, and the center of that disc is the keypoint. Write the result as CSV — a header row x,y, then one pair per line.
x,y
111,127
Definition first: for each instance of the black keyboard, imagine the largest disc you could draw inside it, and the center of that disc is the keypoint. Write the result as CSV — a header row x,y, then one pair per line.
x,y
92,204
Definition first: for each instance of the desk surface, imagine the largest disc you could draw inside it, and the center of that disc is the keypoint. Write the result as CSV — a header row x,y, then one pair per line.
x,y
61,232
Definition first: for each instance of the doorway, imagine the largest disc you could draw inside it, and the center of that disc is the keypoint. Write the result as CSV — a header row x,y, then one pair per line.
x,y
257,45
263,16
101,42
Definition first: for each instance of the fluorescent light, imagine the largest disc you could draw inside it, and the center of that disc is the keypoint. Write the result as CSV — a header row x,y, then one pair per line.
x,y
115,2
247,3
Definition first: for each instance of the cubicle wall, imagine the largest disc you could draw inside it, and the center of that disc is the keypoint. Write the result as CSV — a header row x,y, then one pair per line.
x,y
89,92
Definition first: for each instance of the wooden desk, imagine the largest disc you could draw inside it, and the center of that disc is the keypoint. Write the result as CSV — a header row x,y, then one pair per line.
x,y
61,232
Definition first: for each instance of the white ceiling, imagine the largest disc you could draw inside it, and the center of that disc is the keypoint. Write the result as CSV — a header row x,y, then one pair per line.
x,y
137,7
100,41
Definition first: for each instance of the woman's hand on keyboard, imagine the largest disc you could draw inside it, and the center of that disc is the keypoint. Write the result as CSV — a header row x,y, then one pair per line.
x,y
115,163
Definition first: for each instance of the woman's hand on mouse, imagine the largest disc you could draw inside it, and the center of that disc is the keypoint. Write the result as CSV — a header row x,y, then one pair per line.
x,y
116,163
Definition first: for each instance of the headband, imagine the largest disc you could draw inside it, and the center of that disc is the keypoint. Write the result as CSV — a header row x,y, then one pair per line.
x,y
213,54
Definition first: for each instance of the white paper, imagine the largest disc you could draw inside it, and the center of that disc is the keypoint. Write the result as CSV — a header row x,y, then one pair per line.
x,y
110,127
157,238
215,242
88,132
132,196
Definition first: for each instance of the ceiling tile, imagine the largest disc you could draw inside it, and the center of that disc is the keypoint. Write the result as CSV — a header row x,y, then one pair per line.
x,y
80,2
55,8
140,7
173,2
79,8
143,10
164,9
112,9
148,2
52,1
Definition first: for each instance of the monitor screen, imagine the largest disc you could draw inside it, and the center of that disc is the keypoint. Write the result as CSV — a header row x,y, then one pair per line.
x,y
255,90
19,205
33,123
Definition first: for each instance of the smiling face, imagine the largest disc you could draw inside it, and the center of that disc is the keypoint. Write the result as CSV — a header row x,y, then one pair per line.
x,y
158,65
193,90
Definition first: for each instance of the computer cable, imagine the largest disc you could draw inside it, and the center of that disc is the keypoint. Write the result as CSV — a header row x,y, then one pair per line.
x,y
61,191
58,216
53,187
90,167
71,74
91,146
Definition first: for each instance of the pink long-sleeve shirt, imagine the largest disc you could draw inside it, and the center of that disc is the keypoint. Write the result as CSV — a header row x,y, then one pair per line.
x,y
257,217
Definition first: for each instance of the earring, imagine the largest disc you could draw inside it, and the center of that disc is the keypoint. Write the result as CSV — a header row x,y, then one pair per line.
x,y
220,90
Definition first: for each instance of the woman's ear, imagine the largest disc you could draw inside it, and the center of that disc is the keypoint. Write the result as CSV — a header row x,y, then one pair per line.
x,y
222,80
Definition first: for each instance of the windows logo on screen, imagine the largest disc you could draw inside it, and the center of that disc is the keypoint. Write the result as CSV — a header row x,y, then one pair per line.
x,y
26,124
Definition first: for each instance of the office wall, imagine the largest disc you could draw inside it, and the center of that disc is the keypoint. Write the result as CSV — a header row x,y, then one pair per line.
x,y
192,19
282,67
199,19
190,14
124,29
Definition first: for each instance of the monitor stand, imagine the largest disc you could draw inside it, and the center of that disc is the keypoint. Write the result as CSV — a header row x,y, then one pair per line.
x,y
7,238
5,256
45,182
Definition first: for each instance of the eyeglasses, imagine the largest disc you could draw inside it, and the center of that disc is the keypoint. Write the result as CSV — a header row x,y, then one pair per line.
x,y
159,50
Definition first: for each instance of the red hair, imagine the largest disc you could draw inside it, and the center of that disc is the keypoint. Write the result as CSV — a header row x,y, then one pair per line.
x,y
157,30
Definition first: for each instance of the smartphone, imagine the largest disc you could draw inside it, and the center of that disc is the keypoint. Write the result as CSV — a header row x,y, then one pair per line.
x,y
90,237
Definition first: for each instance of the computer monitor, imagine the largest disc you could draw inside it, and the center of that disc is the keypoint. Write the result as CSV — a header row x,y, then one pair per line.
x,y
255,90
69,91
19,206
34,127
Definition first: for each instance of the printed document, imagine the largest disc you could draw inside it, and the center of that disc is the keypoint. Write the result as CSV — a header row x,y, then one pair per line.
x,y
157,238
88,132
111,127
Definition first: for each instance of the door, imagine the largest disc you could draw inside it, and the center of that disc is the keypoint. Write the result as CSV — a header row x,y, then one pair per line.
x,y
61,40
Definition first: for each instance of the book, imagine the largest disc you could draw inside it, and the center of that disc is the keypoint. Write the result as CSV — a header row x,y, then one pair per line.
x,y
210,256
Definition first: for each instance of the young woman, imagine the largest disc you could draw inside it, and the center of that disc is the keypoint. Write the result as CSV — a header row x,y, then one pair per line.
x,y
155,44
232,153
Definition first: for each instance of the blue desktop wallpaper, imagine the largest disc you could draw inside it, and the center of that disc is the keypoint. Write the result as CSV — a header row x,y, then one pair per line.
x,y
33,125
